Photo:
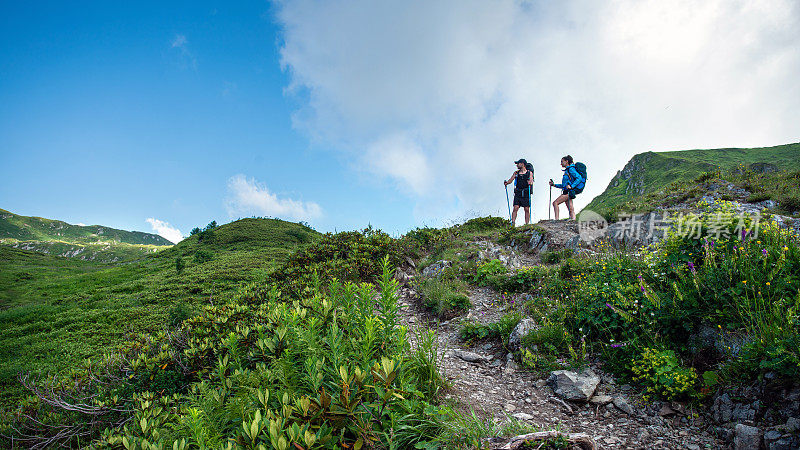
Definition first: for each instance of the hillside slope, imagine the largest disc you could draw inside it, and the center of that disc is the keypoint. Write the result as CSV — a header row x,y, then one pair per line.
x,y
57,311
650,172
93,242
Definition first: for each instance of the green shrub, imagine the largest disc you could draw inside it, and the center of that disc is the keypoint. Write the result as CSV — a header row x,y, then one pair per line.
x,y
556,256
483,224
347,256
473,331
662,374
487,269
445,297
202,256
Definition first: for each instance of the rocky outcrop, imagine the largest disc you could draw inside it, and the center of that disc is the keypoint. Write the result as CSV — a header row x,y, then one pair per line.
x,y
522,329
576,387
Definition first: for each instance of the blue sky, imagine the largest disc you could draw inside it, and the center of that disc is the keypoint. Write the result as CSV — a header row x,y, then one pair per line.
x,y
113,114
343,114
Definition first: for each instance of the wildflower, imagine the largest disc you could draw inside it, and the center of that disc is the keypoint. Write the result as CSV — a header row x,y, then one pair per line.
x,y
767,283
764,251
744,281
691,267
719,326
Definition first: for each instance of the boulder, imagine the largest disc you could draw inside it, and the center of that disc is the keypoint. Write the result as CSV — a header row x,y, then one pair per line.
x,y
746,438
578,387
522,329
435,269
469,356
622,404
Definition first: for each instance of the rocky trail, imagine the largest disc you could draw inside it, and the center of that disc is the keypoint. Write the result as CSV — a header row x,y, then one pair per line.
x,y
484,378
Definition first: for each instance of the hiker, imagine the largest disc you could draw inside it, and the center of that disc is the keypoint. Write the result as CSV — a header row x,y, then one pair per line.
x,y
523,183
572,183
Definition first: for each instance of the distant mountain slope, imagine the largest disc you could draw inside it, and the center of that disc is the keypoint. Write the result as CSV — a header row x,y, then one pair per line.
x,y
93,242
57,311
652,171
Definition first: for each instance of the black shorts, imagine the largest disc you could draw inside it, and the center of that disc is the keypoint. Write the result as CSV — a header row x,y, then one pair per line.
x,y
522,198
571,192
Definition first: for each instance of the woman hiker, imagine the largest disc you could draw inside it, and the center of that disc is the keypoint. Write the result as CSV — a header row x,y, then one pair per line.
x,y
570,181
522,187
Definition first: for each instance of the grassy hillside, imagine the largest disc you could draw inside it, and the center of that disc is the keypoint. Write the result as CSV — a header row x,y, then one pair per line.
x,y
56,311
93,242
651,172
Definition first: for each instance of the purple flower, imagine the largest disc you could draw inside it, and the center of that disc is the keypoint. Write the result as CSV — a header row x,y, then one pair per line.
x,y
744,233
764,251
691,267
639,277
642,288
616,345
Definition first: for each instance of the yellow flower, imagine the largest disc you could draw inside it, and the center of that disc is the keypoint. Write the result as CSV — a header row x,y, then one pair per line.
x,y
744,281
767,283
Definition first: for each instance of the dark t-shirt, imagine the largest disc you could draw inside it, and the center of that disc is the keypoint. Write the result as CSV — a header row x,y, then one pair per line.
x,y
522,180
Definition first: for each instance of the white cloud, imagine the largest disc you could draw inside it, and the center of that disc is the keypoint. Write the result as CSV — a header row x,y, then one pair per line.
x,y
443,96
249,197
179,41
186,57
164,230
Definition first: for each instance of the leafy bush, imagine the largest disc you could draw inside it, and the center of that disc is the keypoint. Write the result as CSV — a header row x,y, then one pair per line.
x,y
663,375
347,256
202,256
473,331
487,269
556,256
445,297
521,280
483,224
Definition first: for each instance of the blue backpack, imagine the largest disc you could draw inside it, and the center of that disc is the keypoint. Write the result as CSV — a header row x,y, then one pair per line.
x,y
581,169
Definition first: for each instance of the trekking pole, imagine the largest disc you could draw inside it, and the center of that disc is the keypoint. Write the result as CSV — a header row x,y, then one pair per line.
x,y
549,202
508,203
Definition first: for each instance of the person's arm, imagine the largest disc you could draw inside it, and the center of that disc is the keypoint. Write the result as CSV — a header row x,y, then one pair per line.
x,y
530,179
510,180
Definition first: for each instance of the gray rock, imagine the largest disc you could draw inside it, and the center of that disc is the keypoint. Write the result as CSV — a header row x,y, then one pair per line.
x,y
771,437
746,438
601,399
784,443
522,416
767,204
469,356
793,424
573,386
722,410
435,269
623,405
522,329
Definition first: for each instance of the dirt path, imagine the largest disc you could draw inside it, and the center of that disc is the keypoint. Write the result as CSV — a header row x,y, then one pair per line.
x,y
494,386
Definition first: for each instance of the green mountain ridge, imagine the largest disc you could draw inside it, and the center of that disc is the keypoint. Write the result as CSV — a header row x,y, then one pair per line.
x,y
87,242
651,172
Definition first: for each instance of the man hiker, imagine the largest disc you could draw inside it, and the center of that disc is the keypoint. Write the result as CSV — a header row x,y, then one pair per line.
x,y
572,183
523,183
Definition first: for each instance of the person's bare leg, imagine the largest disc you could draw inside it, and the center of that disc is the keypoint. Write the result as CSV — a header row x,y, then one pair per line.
x,y
559,200
527,215
514,215
571,208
